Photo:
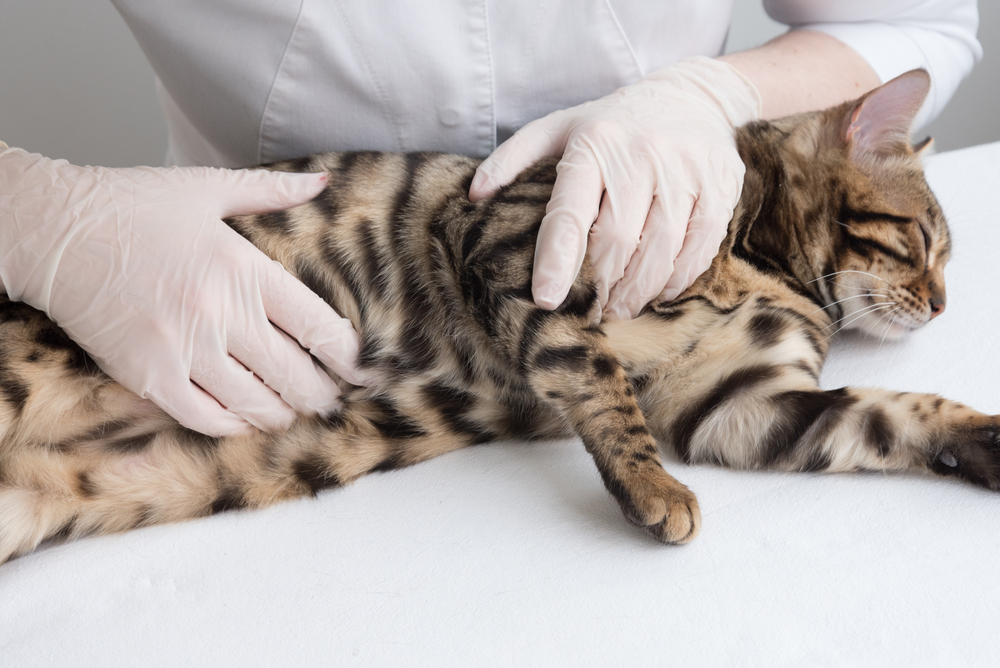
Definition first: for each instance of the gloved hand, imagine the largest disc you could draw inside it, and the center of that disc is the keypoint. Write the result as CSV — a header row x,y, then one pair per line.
x,y
138,268
662,152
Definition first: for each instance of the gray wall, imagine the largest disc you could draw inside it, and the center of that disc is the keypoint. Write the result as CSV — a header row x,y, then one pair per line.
x,y
73,83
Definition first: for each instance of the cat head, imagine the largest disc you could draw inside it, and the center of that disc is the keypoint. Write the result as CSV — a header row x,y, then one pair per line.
x,y
885,241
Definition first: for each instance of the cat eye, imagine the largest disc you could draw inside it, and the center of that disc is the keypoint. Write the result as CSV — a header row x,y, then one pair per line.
x,y
927,239
927,244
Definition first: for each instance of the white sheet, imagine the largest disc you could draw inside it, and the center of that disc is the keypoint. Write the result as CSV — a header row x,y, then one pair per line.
x,y
514,555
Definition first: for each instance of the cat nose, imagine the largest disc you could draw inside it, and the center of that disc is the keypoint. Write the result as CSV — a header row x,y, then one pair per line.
x,y
937,306
936,293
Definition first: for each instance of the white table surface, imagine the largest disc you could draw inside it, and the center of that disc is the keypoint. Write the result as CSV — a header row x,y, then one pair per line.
x,y
513,554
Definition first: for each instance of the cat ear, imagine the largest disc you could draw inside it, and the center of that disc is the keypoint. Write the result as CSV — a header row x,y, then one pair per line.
x,y
879,123
925,147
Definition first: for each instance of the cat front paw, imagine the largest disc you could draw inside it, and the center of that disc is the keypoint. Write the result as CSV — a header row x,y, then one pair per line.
x,y
667,510
972,452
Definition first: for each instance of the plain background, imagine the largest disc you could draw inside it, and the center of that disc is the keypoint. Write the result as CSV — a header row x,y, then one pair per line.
x,y
75,85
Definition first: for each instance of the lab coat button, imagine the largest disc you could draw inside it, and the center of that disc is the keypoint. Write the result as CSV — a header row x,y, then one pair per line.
x,y
449,117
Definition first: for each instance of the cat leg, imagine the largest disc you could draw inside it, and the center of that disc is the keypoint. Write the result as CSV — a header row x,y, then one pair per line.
x,y
89,485
376,431
775,417
121,481
59,416
564,356
575,369
569,364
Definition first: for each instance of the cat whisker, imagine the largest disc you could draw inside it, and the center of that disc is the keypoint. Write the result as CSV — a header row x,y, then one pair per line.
x,y
859,314
873,309
886,294
892,296
825,287
839,301
849,271
824,277
890,320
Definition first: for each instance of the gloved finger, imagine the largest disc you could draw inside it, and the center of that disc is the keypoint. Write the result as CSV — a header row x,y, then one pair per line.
x,y
241,392
562,236
164,379
654,260
312,322
706,231
195,409
258,191
614,236
285,368
536,140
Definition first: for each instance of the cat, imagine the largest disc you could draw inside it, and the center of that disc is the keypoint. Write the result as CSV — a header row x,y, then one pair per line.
x,y
835,228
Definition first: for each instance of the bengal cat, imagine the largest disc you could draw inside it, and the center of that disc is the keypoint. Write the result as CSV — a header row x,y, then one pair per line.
x,y
835,228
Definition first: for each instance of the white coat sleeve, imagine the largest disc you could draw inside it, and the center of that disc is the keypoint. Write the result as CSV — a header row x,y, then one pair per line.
x,y
895,36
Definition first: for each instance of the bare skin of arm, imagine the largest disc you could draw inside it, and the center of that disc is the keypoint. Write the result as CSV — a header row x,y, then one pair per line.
x,y
804,71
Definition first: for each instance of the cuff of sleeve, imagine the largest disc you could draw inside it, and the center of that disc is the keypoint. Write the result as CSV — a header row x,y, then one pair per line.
x,y
892,50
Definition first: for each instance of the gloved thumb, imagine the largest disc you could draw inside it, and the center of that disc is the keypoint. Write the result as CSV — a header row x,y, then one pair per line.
x,y
531,143
243,192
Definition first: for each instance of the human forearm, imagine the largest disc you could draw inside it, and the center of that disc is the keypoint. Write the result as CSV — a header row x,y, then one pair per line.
x,y
804,70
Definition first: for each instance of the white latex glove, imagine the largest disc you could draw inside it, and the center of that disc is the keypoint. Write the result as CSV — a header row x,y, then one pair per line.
x,y
649,178
138,268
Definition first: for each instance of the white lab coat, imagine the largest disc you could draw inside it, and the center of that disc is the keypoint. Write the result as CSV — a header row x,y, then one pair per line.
x,y
250,81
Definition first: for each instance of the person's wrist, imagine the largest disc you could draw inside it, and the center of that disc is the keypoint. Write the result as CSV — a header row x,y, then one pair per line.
x,y
45,201
15,225
717,83
748,103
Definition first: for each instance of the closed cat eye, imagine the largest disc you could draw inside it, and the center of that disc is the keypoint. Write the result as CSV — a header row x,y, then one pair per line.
x,y
927,242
